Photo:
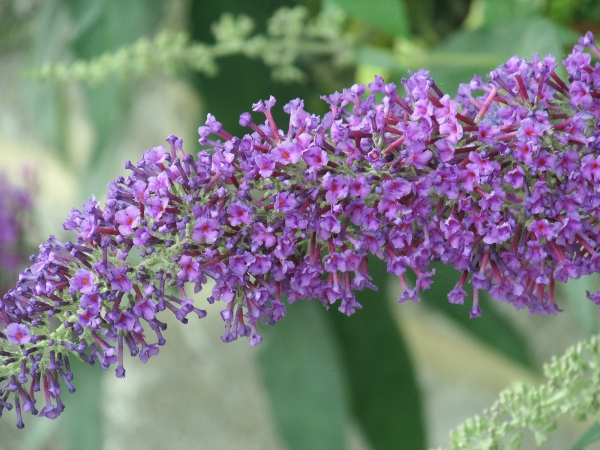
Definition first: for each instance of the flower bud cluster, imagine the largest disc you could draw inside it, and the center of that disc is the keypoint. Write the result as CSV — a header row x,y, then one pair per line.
x,y
501,183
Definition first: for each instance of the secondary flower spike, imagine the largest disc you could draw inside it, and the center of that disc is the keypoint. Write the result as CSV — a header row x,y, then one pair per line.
x,y
501,183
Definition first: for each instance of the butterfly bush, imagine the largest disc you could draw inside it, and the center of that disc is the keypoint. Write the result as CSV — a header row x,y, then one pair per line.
x,y
500,183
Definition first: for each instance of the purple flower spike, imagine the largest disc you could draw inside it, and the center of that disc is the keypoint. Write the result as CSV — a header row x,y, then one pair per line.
x,y
501,185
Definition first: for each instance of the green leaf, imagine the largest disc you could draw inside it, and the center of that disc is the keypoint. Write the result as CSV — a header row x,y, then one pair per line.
x,y
46,103
591,435
492,328
467,52
112,24
370,55
385,396
83,424
108,106
384,15
306,386
584,310
495,11
520,36
432,20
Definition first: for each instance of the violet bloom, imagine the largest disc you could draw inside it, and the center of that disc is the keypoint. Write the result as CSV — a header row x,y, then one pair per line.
x,y
359,187
145,308
315,158
238,214
117,277
89,317
206,230
127,219
18,333
265,164
285,202
83,281
287,153
189,269
336,187
124,321
155,208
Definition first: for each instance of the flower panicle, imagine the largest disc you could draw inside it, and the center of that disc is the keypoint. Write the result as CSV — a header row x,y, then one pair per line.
x,y
500,183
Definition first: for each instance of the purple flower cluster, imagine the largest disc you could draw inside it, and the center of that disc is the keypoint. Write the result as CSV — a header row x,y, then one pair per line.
x,y
15,207
501,183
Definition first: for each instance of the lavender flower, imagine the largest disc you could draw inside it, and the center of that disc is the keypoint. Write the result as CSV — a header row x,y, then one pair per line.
x,y
501,185
18,333
83,281
15,208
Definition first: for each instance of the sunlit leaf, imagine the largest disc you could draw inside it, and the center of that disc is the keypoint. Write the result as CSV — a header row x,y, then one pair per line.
x,y
384,15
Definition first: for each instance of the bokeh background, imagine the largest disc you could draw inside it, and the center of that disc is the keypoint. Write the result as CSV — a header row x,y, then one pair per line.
x,y
391,376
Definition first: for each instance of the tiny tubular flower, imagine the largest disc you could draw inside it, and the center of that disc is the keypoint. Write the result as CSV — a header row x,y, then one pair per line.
x,y
18,333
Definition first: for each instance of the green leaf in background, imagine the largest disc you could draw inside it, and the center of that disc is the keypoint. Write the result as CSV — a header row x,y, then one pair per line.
x,y
582,14
433,20
584,310
384,15
591,435
518,36
114,24
491,329
369,55
469,52
384,392
83,424
300,363
84,29
46,103
494,11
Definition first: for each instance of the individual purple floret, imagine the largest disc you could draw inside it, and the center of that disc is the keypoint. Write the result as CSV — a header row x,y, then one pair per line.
x,y
501,184
18,333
